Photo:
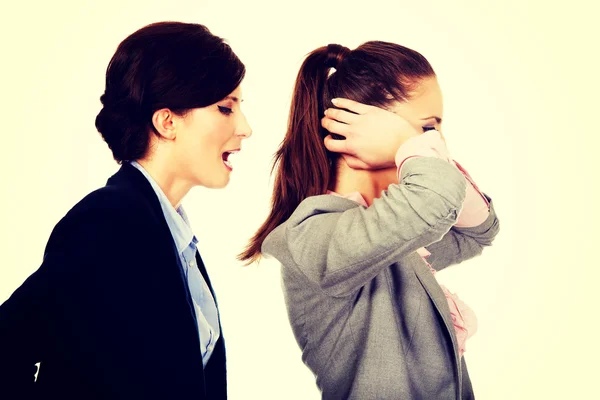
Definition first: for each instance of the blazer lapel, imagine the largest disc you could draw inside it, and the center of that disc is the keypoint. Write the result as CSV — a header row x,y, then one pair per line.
x,y
202,269
438,298
432,288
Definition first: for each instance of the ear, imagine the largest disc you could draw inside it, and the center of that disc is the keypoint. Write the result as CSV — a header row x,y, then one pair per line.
x,y
164,122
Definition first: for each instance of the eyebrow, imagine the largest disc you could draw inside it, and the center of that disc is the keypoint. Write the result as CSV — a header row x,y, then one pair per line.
x,y
438,119
234,99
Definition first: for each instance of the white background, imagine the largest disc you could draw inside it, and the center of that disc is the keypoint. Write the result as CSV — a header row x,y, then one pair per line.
x,y
520,87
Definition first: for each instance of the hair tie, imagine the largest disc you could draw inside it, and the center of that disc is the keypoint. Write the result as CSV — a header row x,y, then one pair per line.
x,y
335,55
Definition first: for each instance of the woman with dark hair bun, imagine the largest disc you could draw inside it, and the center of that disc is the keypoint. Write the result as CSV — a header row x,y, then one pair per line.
x,y
122,306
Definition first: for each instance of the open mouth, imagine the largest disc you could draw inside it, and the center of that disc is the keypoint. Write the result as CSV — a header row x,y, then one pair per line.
x,y
225,156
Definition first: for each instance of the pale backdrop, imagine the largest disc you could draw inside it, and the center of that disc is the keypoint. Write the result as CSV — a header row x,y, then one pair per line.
x,y
520,86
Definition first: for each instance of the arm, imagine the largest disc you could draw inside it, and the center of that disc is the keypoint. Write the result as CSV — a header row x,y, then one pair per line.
x,y
463,243
477,224
477,227
343,250
109,311
21,335
370,131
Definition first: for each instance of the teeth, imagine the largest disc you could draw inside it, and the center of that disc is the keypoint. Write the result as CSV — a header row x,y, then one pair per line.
x,y
232,156
227,160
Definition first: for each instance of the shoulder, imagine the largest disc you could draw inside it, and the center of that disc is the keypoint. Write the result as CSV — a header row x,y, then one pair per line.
x,y
112,202
319,205
107,214
314,212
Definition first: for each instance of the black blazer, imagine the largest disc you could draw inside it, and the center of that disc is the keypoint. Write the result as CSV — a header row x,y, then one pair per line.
x,y
108,314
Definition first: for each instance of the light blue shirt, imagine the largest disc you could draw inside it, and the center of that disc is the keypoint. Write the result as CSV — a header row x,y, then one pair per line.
x,y
186,243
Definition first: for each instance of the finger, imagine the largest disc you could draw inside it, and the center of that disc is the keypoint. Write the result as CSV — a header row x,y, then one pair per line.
x,y
354,106
336,146
334,126
341,115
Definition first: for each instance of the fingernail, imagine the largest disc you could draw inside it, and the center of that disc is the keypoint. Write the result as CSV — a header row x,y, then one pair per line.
x,y
334,101
325,112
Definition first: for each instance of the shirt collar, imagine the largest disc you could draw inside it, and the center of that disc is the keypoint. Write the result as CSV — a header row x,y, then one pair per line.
x,y
177,220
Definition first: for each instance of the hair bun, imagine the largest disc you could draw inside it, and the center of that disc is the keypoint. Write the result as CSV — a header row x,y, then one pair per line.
x,y
119,125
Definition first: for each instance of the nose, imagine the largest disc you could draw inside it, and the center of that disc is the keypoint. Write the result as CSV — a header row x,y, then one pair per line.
x,y
243,128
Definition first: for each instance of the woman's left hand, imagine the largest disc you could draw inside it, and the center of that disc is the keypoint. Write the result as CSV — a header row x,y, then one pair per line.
x,y
371,135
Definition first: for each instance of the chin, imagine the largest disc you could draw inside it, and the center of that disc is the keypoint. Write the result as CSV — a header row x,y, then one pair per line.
x,y
223,185
217,183
215,179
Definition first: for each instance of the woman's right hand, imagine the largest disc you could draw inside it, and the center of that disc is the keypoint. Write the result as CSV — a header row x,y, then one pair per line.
x,y
372,134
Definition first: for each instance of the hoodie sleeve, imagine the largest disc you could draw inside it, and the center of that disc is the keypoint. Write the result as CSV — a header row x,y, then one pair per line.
x,y
341,247
463,243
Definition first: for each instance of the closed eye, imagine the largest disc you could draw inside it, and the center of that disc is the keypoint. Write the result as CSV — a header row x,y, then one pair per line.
x,y
225,110
428,128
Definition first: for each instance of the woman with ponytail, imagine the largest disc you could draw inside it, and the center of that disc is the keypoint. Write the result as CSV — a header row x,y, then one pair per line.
x,y
122,306
367,205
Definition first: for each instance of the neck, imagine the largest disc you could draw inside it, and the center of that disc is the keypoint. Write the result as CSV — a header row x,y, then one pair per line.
x,y
369,183
173,187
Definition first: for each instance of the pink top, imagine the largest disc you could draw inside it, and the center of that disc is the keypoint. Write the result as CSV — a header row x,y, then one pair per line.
x,y
474,212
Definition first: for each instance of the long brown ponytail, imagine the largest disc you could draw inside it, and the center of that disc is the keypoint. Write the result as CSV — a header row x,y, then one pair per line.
x,y
303,167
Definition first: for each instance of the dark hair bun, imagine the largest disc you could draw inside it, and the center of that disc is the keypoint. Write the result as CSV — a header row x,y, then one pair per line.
x,y
123,130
